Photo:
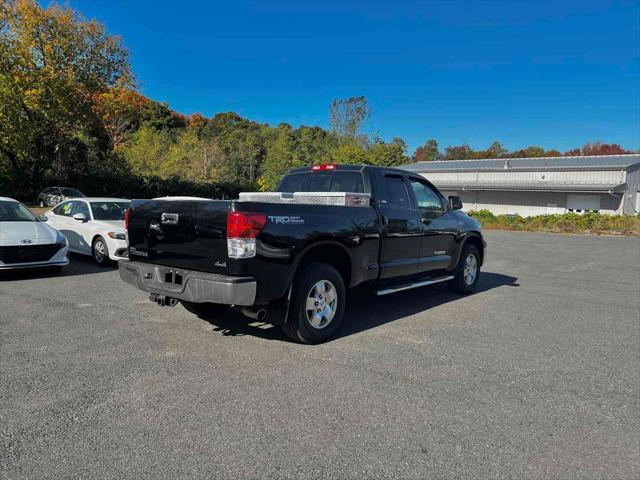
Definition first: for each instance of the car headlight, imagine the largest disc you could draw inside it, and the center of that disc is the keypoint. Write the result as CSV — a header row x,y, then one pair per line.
x,y
117,235
61,240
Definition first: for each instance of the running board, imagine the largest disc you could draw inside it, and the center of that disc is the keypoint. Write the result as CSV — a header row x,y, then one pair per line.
x,y
423,283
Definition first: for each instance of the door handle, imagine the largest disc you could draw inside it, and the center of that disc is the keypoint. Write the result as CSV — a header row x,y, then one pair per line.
x,y
425,221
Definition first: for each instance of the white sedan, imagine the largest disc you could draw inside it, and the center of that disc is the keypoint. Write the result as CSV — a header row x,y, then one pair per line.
x,y
94,226
26,241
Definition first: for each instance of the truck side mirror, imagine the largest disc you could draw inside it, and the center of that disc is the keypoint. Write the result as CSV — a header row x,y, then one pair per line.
x,y
455,203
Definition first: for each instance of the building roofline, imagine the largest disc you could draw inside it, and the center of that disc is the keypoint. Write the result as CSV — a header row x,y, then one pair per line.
x,y
532,158
627,162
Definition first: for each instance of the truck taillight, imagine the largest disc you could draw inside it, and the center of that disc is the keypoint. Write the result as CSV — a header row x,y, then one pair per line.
x,y
330,166
126,218
242,230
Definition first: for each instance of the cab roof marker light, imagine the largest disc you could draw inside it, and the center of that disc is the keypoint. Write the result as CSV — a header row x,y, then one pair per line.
x,y
326,166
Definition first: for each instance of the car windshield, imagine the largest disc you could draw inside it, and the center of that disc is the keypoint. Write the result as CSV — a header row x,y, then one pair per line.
x,y
15,212
109,210
71,192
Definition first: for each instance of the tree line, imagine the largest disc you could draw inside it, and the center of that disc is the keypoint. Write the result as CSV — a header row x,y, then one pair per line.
x,y
71,113
430,151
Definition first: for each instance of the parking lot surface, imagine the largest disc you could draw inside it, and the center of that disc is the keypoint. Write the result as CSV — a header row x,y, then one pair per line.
x,y
535,376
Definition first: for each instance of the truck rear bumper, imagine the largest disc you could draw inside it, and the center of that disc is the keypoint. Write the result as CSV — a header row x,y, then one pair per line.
x,y
189,285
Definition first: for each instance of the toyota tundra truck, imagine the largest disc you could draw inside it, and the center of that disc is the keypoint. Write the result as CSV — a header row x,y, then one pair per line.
x,y
289,257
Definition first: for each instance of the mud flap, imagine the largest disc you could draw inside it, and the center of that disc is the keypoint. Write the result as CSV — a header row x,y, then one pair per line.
x,y
278,311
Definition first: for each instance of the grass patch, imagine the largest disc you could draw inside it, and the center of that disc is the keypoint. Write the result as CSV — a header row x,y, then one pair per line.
x,y
595,223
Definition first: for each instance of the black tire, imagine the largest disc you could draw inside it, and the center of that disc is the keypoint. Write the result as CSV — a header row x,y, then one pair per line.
x,y
100,252
205,310
41,203
460,283
298,325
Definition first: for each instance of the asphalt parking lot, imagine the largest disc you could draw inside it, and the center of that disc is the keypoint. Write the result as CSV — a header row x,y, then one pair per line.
x,y
535,376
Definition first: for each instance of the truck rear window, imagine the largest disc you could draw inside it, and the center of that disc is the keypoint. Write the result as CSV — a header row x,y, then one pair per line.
x,y
325,181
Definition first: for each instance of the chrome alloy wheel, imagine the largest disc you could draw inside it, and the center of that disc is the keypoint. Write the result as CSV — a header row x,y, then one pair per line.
x,y
322,302
99,251
470,269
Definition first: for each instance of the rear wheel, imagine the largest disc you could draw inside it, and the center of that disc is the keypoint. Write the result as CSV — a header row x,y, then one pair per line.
x,y
41,203
100,252
467,271
318,301
205,310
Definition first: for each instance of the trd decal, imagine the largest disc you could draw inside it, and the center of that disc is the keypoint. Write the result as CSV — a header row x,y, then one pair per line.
x,y
285,220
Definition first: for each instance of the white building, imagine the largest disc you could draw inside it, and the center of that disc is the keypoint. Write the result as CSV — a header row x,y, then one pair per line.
x,y
538,186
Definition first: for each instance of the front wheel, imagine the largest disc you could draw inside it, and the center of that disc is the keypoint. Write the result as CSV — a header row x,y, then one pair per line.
x,y
318,301
100,252
467,271
41,203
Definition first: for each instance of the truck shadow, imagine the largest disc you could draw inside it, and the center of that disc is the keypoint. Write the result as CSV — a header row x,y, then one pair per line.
x,y
366,311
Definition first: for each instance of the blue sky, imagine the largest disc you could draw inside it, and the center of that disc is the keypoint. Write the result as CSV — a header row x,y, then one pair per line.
x,y
555,74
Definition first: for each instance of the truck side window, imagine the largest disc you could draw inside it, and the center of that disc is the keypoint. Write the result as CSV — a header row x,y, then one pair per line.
x,y
426,198
397,192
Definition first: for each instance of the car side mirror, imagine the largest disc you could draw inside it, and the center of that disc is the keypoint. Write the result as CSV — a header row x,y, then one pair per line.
x,y
455,203
80,217
42,218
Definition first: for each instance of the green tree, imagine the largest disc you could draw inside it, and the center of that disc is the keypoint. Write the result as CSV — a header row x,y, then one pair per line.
x,y
428,152
496,150
147,152
459,152
279,158
347,115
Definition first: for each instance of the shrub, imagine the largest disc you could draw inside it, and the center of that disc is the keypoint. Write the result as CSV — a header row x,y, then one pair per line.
x,y
562,223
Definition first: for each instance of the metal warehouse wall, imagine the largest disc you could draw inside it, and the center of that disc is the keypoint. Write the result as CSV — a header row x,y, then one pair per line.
x,y
527,204
632,195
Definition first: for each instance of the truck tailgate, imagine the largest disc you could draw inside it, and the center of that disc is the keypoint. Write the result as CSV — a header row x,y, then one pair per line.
x,y
180,233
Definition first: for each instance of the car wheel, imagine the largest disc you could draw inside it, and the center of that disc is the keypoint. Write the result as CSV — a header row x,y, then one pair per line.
x,y
41,203
318,302
100,252
205,310
467,271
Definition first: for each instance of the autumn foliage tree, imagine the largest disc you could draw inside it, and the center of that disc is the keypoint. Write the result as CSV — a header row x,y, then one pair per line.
x,y
121,111
52,64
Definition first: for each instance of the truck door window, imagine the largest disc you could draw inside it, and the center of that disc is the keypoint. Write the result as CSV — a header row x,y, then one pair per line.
x,y
396,191
426,198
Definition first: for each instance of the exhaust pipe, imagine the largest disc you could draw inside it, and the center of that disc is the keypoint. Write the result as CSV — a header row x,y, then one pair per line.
x,y
255,313
163,300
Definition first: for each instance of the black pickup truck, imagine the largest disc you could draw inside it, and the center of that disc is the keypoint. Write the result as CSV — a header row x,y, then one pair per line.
x,y
288,257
